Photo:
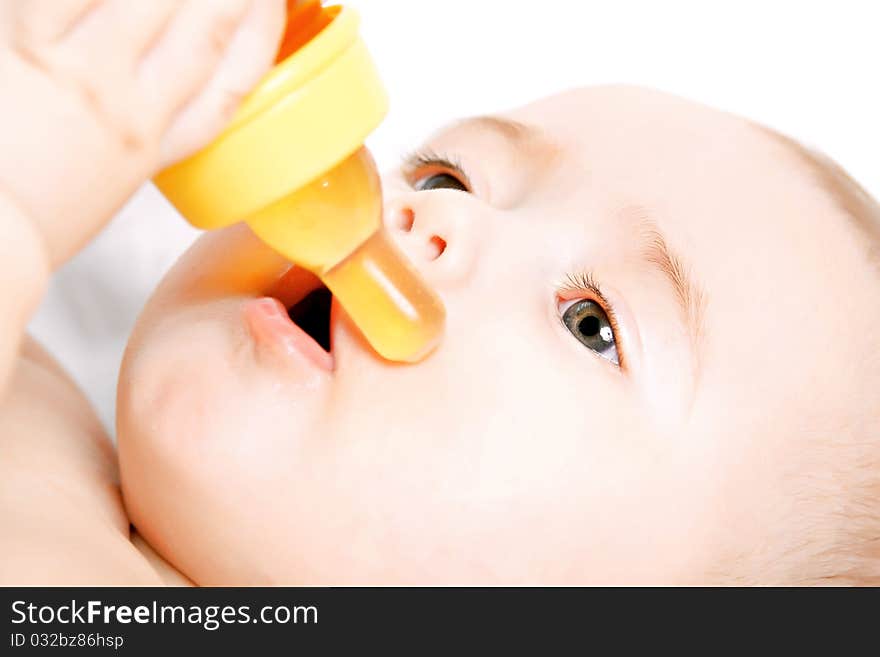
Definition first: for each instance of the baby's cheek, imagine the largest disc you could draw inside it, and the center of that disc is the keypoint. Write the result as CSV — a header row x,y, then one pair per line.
x,y
173,406
206,439
170,389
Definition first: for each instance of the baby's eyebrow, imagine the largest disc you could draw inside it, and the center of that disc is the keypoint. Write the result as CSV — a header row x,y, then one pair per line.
x,y
519,136
507,129
689,295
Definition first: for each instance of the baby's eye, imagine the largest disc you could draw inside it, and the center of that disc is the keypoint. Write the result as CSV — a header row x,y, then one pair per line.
x,y
439,181
589,323
427,170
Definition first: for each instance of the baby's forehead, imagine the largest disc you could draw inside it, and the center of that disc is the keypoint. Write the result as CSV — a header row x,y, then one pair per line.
x,y
635,119
610,109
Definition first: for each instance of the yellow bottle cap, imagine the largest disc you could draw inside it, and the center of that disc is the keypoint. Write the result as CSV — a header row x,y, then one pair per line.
x,y
298,123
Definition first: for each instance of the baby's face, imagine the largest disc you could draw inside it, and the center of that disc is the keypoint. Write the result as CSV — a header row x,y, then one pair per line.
x,y
646,350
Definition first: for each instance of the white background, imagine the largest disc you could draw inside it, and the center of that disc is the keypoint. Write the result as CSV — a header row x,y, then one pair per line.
x,y
809,69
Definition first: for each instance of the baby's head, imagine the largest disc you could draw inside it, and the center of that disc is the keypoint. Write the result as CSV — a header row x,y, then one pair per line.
x,y
660,366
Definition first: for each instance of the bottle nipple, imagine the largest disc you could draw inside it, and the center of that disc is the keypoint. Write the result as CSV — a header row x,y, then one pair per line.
x,y
386,298
333,227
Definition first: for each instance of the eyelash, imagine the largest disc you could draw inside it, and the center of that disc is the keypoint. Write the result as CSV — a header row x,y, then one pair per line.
x,y
583,283
426,158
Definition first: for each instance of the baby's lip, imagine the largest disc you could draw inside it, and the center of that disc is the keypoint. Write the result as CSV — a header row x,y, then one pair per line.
x,y
276,335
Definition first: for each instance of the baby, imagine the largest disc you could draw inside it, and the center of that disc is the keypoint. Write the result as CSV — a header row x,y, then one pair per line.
x,y
659,367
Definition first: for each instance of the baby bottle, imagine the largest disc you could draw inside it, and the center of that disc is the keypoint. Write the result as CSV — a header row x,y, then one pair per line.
x,y
293,166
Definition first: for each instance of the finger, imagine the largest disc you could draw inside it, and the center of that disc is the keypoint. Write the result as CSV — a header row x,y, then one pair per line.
x,y
185,57
122,29
46,21
249,56
8,19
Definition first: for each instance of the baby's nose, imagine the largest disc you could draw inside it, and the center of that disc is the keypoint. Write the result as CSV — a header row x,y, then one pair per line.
x,y
437,232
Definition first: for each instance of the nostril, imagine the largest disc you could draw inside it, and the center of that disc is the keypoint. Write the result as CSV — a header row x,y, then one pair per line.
x,y
437,246
404,219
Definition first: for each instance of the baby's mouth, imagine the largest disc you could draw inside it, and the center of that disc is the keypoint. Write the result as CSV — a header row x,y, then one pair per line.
x,y
292,319
308,303
312,315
